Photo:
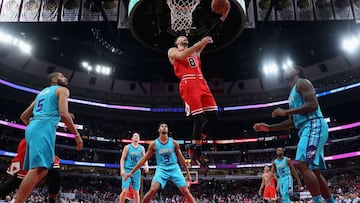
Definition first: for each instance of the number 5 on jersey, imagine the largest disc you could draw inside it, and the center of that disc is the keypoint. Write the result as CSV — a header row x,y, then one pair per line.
x,y
40,105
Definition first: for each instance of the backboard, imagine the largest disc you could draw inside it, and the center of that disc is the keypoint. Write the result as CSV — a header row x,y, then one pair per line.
x,y
150,24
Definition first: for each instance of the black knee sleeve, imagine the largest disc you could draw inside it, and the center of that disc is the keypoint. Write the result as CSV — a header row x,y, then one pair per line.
x,y
54,180
9,186
198,122
210,122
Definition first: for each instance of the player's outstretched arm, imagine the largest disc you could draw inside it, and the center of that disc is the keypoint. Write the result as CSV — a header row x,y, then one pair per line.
x,y
142,161
264,127
198,52
175,54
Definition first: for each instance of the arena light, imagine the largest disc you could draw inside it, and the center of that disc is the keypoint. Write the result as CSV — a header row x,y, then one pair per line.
x,y
5,38
350,44
99,69
287,64
270,68
85,64
10,40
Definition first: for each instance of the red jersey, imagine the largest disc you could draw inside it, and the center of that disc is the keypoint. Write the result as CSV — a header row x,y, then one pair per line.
x,y
269,180
18,161
270,187
189,66
16,166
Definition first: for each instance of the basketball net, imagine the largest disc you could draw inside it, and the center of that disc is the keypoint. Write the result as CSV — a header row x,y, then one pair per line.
x,y
181,14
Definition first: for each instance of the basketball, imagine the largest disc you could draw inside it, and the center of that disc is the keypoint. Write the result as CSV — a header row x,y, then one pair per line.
x,y
220,6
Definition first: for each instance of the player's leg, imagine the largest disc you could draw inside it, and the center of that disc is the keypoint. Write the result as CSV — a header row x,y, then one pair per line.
x,y
286,188
273,195
179,181
150,194
9,186
190,92
210,108
186,192
159,180
307,155
54,182
325,191
136,181
320,164
197,127
209,124
39,156
34,176
125,187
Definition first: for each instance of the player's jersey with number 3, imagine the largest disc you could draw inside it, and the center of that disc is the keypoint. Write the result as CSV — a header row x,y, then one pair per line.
x,y
165,153
46,104
187,66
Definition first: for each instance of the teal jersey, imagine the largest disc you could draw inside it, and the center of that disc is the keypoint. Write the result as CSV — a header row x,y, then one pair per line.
x,y
165,153
133,156
295,101
282,167
46,104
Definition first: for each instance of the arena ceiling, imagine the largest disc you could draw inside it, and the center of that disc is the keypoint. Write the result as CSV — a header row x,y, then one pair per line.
x,y
68,44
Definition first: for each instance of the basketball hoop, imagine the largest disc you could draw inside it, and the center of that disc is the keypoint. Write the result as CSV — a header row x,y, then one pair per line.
x,y
181,14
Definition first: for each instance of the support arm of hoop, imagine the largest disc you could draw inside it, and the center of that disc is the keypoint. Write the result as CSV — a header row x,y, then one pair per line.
x,y
216,27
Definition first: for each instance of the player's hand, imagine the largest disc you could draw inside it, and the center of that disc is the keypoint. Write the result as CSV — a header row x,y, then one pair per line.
x,y
206,40
277,188
224,15
261,127
79,142
299,187
126,176
146,169
259,192
279,112
72,116
122,173
188,179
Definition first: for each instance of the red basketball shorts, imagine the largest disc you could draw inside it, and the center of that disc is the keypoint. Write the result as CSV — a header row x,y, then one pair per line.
x,y
196,96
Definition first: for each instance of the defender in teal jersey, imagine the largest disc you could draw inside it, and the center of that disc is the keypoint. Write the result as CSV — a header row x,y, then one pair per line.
x,y
305,114
284,169
41,118
167,152
130,156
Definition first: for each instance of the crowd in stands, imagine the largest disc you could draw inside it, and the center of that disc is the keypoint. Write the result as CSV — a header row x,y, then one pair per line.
x,y
345,184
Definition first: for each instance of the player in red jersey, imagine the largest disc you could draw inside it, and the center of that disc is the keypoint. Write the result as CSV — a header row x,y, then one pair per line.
x,y
199,101
15,170
270,182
